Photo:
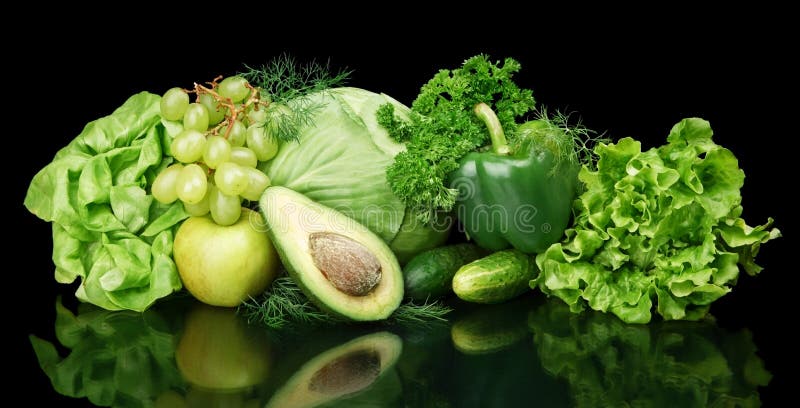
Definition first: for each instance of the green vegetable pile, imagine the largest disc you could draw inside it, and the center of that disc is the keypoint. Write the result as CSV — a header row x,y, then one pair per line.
x,y
599,225
662,225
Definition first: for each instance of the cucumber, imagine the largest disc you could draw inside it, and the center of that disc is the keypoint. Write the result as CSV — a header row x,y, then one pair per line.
x,y
496,278
429,274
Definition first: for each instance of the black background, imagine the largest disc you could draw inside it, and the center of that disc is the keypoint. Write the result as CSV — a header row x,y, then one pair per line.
x,y
624,76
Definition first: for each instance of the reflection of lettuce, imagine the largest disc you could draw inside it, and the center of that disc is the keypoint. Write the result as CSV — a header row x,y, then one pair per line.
x,y
661,225
608,363
107,230
121,359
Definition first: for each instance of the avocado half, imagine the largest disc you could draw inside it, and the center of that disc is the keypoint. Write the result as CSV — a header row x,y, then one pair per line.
x,y
291,219
340,371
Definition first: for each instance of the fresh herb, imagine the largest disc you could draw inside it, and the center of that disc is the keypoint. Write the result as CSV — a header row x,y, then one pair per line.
x,y
288,84
284,305
443,128
567,138
661,226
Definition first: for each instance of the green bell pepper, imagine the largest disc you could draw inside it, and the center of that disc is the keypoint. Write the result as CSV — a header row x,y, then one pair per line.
x,y
522,198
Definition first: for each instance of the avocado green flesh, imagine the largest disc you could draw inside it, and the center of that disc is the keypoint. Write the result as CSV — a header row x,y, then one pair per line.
x,y
340,371
291,218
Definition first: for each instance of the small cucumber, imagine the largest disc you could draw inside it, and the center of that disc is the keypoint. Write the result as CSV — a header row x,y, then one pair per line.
x,y
430,274
496,278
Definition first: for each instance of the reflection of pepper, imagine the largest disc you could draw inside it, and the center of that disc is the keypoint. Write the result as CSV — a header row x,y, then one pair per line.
x,y
522,198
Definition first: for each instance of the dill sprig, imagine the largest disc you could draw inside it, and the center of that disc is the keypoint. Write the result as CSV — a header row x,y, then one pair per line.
x,y
288,85
427,312
285,306
565,136
282,304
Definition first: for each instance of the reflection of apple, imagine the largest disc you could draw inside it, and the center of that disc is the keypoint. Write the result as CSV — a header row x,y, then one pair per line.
x,y
218,351
222,266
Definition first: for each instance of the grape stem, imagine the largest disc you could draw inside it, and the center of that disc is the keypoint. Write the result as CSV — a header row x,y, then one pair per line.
x,y
222,102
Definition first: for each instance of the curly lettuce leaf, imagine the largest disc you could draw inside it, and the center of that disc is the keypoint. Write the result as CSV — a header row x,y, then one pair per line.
x,y
660,227
107,230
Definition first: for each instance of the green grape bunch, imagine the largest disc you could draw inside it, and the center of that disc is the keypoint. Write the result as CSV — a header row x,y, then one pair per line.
x,y
226,133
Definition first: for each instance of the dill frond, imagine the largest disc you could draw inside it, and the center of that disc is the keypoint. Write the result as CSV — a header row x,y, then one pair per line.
x,y
285,306
288,85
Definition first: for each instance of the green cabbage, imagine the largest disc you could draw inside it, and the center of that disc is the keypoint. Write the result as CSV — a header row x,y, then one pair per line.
x,y
662,225
107,230
341,160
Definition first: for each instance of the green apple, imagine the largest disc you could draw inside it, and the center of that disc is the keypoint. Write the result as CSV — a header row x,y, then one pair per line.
x,y
219,352
224,265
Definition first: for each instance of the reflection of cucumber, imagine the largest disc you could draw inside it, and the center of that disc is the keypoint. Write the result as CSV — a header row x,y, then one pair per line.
x,y
430,274
342,371
491,328
496,278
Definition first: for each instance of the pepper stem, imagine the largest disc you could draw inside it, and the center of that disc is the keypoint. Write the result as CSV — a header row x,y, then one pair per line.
x,y
487,115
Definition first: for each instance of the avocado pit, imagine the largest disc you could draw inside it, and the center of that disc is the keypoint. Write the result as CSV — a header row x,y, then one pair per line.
x,y
347,264
347,374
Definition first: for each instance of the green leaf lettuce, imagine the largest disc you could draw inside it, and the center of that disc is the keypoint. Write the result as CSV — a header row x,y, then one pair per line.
x,y
657,227
107,230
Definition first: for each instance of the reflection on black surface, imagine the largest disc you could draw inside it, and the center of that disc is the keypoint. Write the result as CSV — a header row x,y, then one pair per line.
x,y
528,352
484,359
491,328
354,373
123,359
608,363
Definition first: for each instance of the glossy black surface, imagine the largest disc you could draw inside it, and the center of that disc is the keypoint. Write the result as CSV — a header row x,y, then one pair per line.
x,y
627,78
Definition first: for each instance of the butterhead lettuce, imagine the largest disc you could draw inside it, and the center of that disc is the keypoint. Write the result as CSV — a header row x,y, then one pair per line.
x,y
107,230
657,228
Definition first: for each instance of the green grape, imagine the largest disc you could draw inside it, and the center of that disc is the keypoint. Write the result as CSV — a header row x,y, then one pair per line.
x,y
196,117
163,188
237,136
198,209
225,209
215,112
231,178
192,184
258,182
188,146
217,151
234,87
243,157
174,104
265,147
257,116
